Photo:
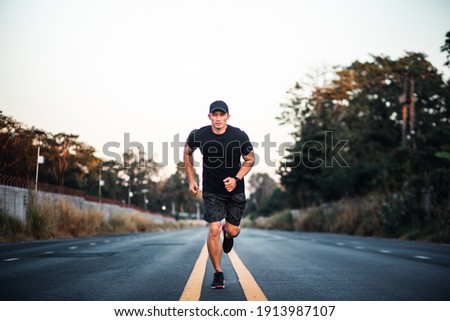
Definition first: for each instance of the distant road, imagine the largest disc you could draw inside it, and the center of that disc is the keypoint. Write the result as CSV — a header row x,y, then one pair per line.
x,y
286,266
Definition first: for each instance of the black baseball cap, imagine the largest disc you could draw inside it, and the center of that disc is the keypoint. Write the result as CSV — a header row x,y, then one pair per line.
x,y
218,105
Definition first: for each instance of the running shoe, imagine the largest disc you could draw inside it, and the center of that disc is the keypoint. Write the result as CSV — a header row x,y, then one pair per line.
x,y
227,243
218,281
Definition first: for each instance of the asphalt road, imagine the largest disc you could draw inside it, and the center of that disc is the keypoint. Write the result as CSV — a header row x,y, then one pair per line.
x,y
287,266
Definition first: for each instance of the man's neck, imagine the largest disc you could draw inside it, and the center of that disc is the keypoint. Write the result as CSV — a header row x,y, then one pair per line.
x,y
219,131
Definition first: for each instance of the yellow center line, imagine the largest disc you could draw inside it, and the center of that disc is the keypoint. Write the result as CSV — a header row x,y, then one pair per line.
x,y
252,291
193,288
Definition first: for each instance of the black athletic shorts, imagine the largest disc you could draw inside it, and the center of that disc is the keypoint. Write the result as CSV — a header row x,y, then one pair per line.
x,y
229,207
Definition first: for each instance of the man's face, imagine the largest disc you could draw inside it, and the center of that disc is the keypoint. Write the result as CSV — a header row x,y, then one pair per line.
x,y
218,119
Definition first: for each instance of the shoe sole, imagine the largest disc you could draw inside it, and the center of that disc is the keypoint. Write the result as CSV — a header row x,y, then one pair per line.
x,y
220,286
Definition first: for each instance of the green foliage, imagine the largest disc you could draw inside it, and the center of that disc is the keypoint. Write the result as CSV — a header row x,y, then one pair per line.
x,y
446,48
400,155
15,140
175,190
392,213
443,155
72,164
372,215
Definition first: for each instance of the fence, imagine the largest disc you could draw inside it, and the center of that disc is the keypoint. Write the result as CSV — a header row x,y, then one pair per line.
x,y
14,199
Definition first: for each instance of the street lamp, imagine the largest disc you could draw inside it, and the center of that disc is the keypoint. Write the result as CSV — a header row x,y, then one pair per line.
x,y
39,160
130,194
143,191
100,183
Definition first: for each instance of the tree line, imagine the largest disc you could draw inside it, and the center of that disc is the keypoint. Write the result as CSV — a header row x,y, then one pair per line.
x,y
373,127
70,163
380,126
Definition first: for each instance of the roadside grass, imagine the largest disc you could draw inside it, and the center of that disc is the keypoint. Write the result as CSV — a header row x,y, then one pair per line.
x,y
11,228
278,221
48,218
373,215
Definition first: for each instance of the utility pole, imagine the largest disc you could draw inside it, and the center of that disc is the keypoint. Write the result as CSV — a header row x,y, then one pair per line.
x,y
403,100
39,160
412,112
100,183
130,194
407,99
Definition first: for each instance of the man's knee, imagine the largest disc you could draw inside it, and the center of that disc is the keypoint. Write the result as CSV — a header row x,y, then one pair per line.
x,y
233,230
215,229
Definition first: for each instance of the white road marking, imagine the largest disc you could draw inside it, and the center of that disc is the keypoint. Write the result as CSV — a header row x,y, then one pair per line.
x,y
340,244
107,241
48,252
11,259
93,243
385,251
359,247
73,247
422,257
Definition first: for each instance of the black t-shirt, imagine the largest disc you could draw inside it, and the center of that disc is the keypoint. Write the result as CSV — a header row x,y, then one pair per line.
x,y
221,156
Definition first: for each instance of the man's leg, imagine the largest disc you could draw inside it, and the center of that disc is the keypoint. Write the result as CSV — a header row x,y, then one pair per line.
x,y
215,254
214,213
235,208
232,230
214,245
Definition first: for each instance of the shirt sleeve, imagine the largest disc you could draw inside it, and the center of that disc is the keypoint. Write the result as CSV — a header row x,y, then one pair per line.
x,y
246,145
191,141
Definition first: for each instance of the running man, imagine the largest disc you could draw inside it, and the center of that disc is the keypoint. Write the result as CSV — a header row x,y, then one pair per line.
x,y
222,147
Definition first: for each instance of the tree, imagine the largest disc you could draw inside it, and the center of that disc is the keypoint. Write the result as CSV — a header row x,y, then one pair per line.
x,y
18,148
392,142
175,190
261,187
135,177
446,48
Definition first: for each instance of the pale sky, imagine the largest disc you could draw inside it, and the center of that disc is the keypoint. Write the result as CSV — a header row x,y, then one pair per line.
x,y
101,69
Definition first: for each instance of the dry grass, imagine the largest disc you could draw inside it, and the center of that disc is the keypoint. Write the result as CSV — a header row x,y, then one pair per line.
x,y
134,222
372,215
72,221
350,216
49,218
347,216
277,221
11,228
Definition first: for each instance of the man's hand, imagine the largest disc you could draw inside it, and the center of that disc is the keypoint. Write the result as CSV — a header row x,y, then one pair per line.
x,y
230,183
193,188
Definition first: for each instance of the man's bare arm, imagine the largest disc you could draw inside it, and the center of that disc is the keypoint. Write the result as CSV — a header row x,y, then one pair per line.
x,y
249,161
189,163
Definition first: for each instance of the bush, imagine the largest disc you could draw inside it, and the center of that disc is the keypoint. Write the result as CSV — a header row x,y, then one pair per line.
x,y
10,228
55,218
278,221
40,218
73,221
